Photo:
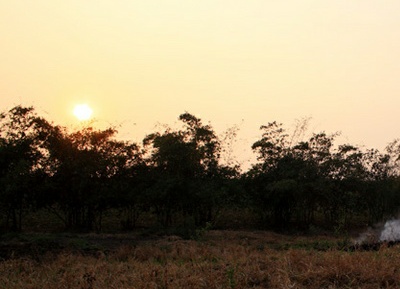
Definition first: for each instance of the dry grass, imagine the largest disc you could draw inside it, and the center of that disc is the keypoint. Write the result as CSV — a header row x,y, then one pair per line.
x,y
224,260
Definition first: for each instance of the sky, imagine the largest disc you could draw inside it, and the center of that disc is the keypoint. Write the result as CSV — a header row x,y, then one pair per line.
x,y
244,63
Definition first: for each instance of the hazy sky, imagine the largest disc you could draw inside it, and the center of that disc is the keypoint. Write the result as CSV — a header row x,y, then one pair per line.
x,y
249,62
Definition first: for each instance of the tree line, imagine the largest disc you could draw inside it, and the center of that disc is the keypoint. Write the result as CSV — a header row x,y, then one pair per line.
x,y
176,176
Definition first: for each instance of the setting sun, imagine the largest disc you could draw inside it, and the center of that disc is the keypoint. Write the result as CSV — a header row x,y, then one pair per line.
x,y
83,112
142,63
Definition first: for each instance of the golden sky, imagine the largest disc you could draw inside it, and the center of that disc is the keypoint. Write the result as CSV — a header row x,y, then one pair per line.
x,y
249,62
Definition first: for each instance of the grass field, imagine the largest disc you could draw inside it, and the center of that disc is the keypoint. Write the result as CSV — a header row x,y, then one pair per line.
x,y
222,259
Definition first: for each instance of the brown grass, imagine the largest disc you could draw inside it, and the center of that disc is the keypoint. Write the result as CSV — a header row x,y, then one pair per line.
x,y
224,260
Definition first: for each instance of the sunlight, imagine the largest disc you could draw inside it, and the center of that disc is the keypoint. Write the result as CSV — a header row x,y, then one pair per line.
x,y
83,112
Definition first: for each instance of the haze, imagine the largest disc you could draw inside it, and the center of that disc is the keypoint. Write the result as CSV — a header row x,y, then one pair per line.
x,y
137,63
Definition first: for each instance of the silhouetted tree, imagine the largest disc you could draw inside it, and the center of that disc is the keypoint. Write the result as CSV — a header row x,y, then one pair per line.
x,y
21,157
294,180
83,165
187,175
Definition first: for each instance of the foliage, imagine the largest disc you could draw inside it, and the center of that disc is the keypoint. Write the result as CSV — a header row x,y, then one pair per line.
x,y
187,177
178,179
295,181
21,164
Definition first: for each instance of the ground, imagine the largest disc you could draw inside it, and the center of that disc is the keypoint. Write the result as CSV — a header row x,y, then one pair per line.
x,y
215,259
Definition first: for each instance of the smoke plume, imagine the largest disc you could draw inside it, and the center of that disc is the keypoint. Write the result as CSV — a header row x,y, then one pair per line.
x,y
383,232
390,231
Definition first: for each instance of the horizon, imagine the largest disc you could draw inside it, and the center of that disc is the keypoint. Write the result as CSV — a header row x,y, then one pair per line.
x,y
231,144
139,63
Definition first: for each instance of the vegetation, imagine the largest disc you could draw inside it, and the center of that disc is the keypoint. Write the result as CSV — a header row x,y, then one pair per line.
x,y
176,178
224,260
59,189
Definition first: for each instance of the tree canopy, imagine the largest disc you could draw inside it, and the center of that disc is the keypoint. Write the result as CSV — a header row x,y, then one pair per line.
x,y
177,176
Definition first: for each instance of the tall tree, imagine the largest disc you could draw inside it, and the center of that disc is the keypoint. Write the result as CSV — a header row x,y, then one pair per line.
x,y
21,155
186,171
84,164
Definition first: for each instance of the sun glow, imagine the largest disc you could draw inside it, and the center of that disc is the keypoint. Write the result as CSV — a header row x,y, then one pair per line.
x,y
83,112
